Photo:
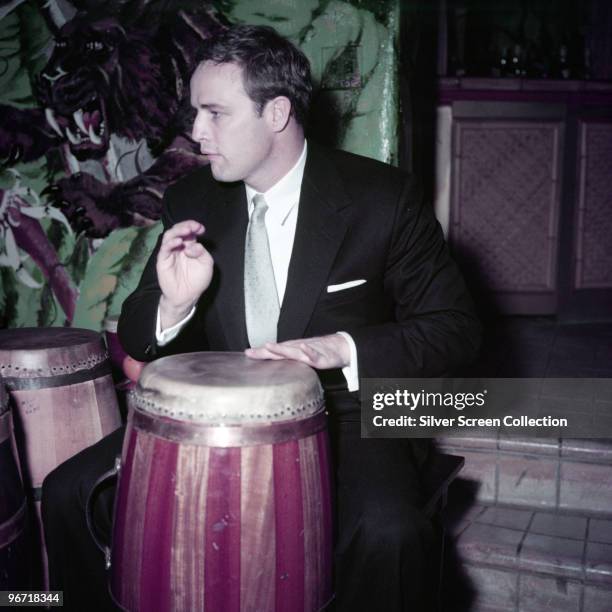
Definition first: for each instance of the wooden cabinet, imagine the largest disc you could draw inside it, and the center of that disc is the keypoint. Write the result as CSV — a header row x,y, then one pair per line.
x,y
525,192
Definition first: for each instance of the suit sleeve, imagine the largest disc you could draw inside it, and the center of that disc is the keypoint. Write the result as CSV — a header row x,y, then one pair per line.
x,y
434,329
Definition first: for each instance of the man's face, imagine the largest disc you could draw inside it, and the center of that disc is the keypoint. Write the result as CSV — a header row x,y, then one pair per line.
x,y
235,139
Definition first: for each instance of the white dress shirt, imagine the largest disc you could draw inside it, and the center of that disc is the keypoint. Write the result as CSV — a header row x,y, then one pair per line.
x,y
283,200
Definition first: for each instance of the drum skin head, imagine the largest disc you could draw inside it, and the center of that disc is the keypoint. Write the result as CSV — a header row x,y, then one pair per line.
x,y
216,387
42,338
30,352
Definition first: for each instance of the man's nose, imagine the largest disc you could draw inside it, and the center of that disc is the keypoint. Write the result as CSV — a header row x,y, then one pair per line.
x,y
199,131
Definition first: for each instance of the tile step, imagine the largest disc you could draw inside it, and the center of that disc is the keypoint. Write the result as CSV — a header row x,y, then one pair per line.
x,y
561,482
531,560
501,590
586,450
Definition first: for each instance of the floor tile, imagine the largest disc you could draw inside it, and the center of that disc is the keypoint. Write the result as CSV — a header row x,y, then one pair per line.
x,y
600,530
564,526
496,590
489,544
599,563
552,555
578,350
597,599
529,481
539,594
586,486
512,518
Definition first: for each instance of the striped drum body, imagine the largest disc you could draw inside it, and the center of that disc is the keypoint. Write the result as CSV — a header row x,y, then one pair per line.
x,y
224,491
13,545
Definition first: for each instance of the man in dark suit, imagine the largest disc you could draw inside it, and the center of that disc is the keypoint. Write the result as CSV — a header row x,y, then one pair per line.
x,y
352,277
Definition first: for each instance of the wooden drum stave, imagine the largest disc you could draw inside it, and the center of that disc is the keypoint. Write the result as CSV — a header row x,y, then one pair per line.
x,y
14,558
224,497
63,398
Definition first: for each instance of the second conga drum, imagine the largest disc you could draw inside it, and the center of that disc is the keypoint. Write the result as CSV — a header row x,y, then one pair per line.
x,y
224,498
62,391
63,398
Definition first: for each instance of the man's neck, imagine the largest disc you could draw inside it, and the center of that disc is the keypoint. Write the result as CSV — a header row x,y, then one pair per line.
x,y
283,159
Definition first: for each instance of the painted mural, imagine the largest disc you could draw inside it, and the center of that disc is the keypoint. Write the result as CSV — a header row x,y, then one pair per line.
x,y
95,121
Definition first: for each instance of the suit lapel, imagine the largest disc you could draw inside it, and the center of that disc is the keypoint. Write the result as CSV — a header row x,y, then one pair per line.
x,y
321,227
231,221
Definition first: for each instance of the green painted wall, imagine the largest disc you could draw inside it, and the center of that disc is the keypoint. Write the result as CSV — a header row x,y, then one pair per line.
x,y
352,49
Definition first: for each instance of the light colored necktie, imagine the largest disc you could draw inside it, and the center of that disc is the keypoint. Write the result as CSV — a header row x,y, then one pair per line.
x,y
260,295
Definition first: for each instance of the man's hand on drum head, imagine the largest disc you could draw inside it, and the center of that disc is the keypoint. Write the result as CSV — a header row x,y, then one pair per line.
x,y
184,271
321,352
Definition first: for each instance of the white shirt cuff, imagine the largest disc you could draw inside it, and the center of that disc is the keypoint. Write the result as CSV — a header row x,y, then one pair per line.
x,y
165,336
351,371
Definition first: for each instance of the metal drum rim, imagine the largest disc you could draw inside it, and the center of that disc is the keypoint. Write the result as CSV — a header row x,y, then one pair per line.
x,y
228,435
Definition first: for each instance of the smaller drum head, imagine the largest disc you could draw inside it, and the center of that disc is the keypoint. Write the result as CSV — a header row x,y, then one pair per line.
x,y
227,388
28,352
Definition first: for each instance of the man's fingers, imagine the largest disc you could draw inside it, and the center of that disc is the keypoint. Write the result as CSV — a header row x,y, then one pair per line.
x,y
194,249
261,353
182,237
187,230
320,352
169,246
298,351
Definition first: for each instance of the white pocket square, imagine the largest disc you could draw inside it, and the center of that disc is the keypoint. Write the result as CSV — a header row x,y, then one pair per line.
x,y
348,285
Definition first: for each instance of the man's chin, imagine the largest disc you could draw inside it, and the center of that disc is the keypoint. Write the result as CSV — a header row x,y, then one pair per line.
x,y
222,175
216,171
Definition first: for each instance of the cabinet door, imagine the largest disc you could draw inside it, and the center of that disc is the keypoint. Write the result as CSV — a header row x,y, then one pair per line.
x,y
590,294
505,209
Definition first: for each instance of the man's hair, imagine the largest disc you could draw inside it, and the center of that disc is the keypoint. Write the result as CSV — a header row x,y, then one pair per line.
x,y
271,65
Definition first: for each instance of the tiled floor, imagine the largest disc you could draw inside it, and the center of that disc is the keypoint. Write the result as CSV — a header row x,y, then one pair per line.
x,y
575,539
541,347
531,519
532,560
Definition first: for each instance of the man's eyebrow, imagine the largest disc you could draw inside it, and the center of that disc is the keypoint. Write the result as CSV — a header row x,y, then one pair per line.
x,y
212,106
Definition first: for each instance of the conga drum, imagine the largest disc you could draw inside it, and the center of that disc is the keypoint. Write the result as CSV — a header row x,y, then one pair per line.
x,y
14,558
63,396
224,501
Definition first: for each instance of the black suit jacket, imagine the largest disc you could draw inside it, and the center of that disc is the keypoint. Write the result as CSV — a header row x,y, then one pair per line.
x,y
357,219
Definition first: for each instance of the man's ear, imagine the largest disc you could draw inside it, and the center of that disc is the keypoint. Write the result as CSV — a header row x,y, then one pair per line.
x,y
278,113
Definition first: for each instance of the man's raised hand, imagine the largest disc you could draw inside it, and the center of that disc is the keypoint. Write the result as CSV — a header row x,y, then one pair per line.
x,y
184,271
